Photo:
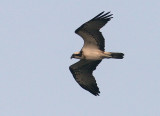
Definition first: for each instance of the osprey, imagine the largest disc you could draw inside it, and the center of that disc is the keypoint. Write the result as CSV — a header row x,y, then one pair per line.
x,y
91,53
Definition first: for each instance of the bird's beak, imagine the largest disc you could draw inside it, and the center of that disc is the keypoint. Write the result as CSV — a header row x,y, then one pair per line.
x,y
72,56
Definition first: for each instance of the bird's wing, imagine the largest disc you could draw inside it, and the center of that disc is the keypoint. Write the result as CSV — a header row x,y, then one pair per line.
x,y
82,73
89,31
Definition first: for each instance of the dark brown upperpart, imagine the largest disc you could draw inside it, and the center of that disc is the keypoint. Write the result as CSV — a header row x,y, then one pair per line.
x,y
92,28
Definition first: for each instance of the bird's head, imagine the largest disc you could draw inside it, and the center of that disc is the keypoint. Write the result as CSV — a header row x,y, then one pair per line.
x,y
77,55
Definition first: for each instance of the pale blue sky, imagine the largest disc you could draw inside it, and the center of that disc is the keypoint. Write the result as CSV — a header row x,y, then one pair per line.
x,y
37,39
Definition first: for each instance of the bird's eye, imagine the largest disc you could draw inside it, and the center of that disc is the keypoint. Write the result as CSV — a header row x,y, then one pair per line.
x,y
77,54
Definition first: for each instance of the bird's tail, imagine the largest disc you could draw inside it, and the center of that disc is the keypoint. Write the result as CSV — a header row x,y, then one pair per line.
x,y
115,55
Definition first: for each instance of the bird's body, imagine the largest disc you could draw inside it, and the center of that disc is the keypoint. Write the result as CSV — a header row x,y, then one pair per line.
x,y
91,53
95,55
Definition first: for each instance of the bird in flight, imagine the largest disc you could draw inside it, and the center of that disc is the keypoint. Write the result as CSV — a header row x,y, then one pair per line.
x,y
92,52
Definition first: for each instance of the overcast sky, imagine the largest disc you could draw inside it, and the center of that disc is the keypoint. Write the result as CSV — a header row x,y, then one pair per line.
x,y
37,39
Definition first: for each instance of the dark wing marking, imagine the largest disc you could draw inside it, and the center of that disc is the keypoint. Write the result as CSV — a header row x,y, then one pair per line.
x,y
82,73
90,33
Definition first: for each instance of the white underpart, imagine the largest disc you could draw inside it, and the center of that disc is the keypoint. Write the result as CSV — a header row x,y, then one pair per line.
x,y
95,54
90,49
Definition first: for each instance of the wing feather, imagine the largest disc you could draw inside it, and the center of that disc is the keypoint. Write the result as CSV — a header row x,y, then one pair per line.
x,y
90,33
82,73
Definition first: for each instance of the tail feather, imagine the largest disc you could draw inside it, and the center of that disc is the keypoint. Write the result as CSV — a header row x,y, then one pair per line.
x,y
117,55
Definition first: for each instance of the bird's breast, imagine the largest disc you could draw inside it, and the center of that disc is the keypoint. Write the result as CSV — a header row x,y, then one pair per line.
x,y
93,55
